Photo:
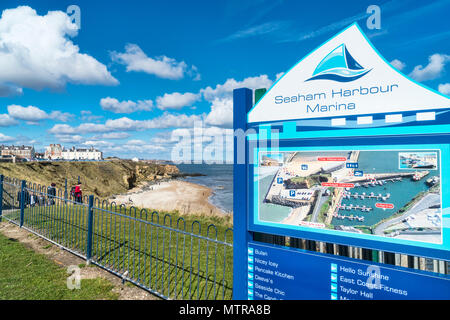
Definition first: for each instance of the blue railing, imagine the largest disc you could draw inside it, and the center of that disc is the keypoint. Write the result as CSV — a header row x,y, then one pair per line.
x,y
173,258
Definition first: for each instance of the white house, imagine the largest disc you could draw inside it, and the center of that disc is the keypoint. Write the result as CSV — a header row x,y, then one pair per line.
x,y
82,154
57,152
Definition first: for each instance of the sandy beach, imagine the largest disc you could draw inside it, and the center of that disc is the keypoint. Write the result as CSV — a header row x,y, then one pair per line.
x,y
186,197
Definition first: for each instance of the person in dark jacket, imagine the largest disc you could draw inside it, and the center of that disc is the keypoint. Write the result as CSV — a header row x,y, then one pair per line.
x,y
51,194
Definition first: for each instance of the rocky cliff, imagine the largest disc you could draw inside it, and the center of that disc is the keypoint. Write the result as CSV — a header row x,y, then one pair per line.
x,y
100,178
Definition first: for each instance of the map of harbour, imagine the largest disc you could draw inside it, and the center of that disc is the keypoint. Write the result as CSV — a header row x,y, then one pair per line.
x,y
393,193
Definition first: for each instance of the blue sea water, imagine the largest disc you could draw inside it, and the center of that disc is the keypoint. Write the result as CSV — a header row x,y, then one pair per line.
x,y
218,177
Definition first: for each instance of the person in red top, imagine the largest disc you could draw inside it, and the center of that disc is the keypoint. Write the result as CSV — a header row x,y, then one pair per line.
x,y
78,193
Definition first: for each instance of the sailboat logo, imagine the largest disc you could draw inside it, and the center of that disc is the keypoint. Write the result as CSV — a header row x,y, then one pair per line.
x,y
339,65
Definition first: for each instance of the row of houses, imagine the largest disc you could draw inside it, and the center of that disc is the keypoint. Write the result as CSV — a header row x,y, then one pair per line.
x,y
58,152
52,152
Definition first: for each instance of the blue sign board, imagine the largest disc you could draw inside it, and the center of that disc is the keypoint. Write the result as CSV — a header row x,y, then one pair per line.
x,y
279,273
330,114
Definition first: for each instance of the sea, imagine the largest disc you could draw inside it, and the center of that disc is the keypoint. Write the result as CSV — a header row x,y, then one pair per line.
x,y
218,177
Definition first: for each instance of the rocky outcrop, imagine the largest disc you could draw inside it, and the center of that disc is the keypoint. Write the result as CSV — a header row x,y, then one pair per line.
x,y
100,178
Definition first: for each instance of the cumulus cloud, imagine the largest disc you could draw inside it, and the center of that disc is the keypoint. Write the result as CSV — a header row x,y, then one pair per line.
x,y
399,65
126,124
5,138
278,75
135,59
36,52
176,100
116,106
221,113
62,129
6,120
86,115
34,114
65,138
98,143
444,88
225,90
433,70
114,135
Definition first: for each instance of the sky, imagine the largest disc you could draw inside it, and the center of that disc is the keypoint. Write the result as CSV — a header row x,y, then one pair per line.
x,y
129,77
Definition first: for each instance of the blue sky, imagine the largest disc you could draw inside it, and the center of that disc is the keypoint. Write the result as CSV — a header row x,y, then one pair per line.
x,y
138,71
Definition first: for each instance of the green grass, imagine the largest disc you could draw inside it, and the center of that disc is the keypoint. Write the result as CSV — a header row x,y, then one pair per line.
x,y
27,275
173,263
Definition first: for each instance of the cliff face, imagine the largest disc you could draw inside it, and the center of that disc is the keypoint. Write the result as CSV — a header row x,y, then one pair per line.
x,y
100,178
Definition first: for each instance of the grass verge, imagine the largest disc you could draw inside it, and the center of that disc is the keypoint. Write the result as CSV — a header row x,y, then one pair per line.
x,y
27,275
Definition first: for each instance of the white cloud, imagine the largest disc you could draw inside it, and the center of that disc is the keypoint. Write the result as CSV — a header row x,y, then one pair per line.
x,y
86,115
114,135
399,65
165,121
116,106
34,114
434,69
5,138
221,113
62,129
164,67
279,75
67,138
136,142
36,52
176,100
444,88
98,143
6,120
127,148
225,90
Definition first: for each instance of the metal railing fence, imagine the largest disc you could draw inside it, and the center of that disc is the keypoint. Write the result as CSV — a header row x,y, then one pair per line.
x,y
171,257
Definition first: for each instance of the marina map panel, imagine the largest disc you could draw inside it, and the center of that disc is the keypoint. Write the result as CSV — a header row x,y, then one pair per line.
x,y
387,193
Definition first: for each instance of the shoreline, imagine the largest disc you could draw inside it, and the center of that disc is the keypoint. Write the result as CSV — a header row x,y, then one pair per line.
x,y
171,195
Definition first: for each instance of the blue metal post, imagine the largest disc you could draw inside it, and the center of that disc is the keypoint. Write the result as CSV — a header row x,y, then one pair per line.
x,y
65,190
242,103
22,201
1,196
90,224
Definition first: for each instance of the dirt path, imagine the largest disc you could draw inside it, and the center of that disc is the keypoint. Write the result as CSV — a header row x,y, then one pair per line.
x,y
65,259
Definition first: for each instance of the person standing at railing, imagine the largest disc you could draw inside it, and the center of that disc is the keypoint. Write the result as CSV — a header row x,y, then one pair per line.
x,y
51,194
78,193
26,197
33,200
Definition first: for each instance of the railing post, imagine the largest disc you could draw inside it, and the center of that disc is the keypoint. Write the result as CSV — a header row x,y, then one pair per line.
x,y
1,196
89,232
65,191
22,202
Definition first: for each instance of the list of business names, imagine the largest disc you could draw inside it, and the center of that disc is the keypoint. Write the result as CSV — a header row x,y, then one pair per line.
x,y
281,274
264,275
